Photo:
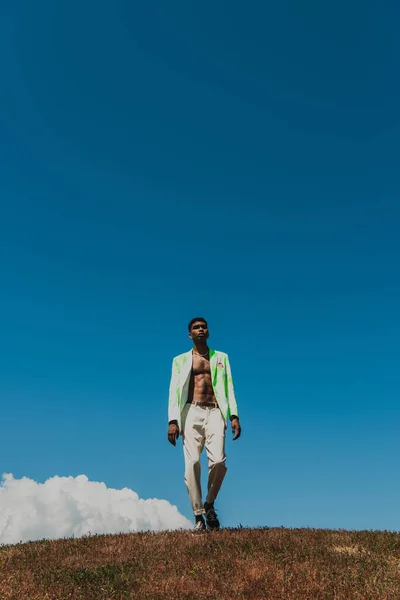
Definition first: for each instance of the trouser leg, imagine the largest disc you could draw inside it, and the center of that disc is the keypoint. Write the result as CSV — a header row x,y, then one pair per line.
x,y
215,448
193,444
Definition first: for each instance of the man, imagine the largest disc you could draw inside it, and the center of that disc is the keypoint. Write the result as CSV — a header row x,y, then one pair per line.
x,y
201,400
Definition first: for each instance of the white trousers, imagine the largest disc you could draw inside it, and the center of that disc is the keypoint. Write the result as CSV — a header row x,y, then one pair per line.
x,y
201,427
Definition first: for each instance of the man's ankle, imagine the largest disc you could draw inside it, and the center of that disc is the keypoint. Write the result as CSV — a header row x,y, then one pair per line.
x,y
199,518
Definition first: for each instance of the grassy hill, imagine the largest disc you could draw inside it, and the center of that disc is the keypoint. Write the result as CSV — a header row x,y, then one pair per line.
x,y
251,564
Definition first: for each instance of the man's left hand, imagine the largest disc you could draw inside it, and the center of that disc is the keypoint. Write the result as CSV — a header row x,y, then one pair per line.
x,y
236,429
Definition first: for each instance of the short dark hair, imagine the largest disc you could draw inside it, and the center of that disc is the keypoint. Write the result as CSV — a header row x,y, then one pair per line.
x,y
194,321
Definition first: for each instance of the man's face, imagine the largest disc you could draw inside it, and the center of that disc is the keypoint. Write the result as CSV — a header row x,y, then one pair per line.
x,y
199,331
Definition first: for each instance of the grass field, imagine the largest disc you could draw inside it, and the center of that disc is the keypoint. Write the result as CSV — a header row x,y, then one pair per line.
x,y
251,564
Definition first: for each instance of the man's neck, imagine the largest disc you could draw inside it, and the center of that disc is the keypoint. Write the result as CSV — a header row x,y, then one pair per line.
x,y
200,348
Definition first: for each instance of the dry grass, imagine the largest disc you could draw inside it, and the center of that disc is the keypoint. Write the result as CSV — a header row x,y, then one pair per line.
x,y
251,564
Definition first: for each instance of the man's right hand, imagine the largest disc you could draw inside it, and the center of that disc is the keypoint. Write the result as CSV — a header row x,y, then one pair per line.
x,y
173,433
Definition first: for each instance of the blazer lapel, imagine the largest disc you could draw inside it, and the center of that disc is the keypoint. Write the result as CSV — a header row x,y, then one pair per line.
x,y
186,368
213,366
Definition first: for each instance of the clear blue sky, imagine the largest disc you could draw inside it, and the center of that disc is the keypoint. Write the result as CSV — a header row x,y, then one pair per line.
x,y
238,161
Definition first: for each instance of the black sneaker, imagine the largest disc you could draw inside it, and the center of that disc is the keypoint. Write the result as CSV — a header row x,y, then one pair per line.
x,y
211,517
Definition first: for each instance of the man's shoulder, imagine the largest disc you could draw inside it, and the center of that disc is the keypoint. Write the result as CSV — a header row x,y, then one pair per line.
x,y
182,357
220,353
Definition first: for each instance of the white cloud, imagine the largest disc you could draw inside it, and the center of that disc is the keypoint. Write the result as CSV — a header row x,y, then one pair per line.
x,y
75,506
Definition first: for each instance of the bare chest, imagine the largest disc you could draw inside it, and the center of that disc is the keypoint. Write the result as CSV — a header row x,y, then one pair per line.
x,y
200,366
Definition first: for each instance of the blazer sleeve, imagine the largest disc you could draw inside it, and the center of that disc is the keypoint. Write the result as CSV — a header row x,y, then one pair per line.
x,y
233,409
173,403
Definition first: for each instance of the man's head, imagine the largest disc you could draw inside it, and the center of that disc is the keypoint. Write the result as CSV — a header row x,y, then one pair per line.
x,y
198,329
